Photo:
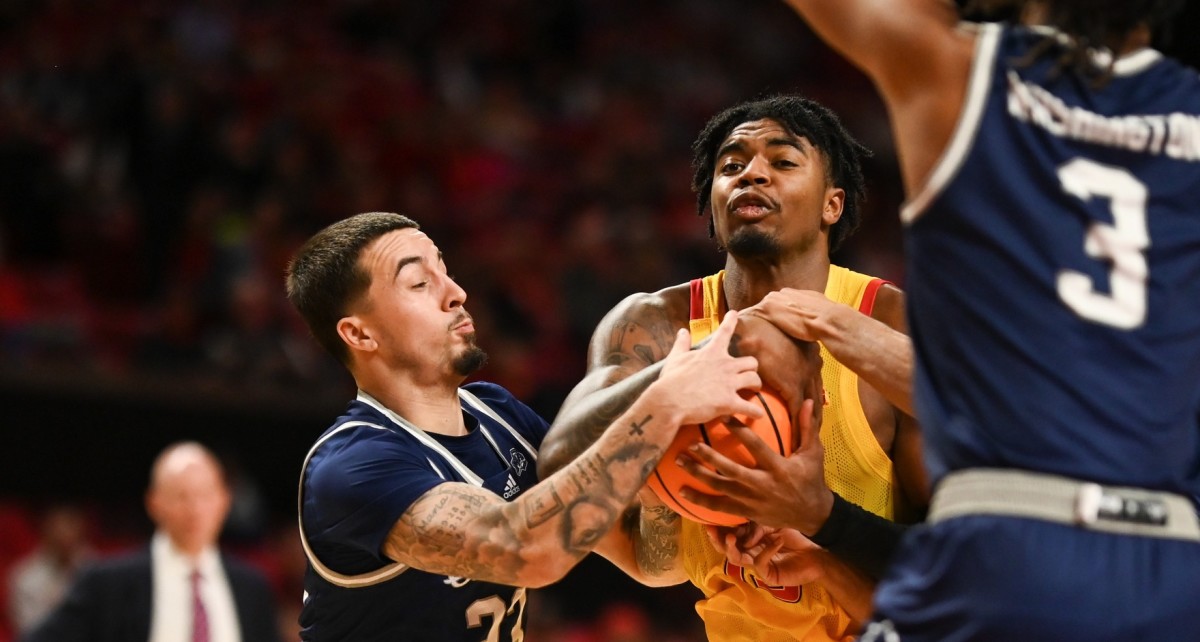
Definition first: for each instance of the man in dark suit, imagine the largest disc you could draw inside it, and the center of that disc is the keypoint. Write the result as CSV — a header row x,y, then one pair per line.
x,y
180,588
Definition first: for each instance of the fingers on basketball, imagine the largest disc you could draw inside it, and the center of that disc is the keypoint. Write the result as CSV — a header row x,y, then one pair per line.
x,y
773,428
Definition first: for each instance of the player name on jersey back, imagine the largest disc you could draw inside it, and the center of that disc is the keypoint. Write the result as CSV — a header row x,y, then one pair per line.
x,y
1176,135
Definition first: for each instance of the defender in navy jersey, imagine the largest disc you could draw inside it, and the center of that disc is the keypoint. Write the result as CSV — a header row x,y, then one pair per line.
x,y
1053,242
420,511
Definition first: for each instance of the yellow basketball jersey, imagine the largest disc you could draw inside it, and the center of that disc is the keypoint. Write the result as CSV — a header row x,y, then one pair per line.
x,y
737,606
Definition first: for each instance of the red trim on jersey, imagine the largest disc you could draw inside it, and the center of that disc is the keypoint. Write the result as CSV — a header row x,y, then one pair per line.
x,y
868,300
697,306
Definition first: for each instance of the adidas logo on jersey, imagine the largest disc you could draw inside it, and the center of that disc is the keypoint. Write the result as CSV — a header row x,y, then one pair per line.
x,y
511,488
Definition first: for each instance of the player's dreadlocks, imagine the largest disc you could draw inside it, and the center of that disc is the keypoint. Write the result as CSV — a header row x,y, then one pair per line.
x,y
1090,23
801,117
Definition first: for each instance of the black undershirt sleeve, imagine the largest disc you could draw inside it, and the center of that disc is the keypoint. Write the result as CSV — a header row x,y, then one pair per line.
x,y
859,537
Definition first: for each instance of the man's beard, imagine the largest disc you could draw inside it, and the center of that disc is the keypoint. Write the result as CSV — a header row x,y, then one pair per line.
x,y
752,243
471,360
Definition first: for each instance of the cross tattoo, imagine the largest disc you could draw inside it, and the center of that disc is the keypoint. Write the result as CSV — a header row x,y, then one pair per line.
x,y
636,428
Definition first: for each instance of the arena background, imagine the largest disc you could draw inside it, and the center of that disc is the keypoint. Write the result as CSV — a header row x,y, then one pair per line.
x,y
160,160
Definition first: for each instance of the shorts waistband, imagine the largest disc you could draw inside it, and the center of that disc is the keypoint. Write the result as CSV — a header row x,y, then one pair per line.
x,y
1052,498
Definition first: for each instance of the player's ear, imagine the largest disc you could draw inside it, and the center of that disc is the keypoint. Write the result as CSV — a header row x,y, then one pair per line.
x,y
835,199
357,335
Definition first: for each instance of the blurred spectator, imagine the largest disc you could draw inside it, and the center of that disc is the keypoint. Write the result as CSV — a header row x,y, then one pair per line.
x,y
181,585
38,581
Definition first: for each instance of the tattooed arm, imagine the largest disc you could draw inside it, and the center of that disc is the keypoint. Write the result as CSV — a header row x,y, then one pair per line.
x,y
624,358
458,529
645,543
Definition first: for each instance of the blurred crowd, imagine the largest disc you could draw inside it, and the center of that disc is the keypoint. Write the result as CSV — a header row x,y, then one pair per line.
x,y
160,160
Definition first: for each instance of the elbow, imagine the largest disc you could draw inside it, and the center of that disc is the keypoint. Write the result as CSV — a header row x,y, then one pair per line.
x,y
542,571
547,562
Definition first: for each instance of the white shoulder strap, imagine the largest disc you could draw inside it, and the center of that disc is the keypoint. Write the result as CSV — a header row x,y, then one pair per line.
x,y
477,403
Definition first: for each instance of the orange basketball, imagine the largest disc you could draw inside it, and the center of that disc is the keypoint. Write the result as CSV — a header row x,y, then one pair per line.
x,y
774,428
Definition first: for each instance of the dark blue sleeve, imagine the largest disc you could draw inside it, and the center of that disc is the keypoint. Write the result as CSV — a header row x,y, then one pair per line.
x,y
527,422
357,485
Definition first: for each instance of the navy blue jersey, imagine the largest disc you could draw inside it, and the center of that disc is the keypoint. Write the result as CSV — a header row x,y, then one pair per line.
x,y
1054,273
362,475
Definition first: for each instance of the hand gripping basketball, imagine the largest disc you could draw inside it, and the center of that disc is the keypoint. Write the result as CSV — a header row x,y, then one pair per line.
x,y
696,385
779,491
773,428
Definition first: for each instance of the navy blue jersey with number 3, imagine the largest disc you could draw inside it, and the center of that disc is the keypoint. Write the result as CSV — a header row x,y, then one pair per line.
x,y
1054,283
1054,303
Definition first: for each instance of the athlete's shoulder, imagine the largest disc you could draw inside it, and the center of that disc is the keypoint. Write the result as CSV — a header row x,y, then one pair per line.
x,y
643,324
889,307
660,311
671,301
882,299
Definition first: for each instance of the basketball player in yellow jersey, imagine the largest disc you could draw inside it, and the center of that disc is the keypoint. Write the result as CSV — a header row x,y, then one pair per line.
x,y
782,182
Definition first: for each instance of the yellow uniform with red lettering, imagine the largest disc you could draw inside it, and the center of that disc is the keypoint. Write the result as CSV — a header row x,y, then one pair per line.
x,y
737,606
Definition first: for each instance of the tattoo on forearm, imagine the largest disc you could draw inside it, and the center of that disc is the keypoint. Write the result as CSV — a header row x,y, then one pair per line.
x,y
585,522
605,485
647,468
542,505
633,345
599,418
445,519
588,472
659,542
459,530
635,428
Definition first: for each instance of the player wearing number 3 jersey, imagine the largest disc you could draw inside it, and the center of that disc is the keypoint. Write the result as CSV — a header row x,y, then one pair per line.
x,y
420,509
1053,240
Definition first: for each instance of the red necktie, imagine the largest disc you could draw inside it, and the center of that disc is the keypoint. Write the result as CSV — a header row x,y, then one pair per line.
x,y
199,615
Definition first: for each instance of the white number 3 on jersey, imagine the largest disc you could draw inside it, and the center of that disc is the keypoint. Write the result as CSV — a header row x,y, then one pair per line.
x,y
1121,243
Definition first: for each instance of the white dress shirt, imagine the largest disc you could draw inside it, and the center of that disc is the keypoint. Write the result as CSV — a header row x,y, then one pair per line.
x,y
171,618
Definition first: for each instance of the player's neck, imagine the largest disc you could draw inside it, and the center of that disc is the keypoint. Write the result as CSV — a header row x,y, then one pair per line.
x,y
432,407
747,282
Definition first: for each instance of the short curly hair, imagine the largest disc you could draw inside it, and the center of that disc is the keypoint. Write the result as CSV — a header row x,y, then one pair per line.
x,y
801,117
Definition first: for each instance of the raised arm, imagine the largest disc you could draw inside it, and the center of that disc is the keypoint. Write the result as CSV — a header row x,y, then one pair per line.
x,y
918,58
458,529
